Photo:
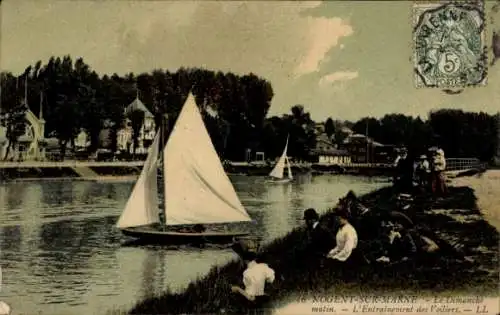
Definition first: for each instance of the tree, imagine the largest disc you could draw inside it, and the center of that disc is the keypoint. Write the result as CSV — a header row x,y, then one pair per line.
x,y
76,97
464,134
298,126
329,128
368,126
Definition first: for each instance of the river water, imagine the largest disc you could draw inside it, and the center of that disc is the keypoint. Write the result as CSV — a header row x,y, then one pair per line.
x,y
61,254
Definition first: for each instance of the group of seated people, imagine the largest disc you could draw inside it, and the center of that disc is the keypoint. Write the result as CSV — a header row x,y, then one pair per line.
x,y
336,242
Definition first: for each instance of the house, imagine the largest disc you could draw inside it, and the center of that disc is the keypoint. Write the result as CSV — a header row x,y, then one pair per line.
x,y
82,141
360,147
319,128
323,142
326,152
30,145
332,157
125,136
364,149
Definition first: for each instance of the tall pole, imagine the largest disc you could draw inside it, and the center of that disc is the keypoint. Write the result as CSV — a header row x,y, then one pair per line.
x,y
26,90
163,214
1,81
1,89
367,142
497,155
40,115
161,157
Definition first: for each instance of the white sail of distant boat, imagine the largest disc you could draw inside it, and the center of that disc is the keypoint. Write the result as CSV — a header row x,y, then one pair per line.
x,y
197,189
278,171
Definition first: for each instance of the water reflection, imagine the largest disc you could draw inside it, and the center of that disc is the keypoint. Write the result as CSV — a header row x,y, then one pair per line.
x,y
62,254
279,196
10,242
15,195
152,265
57,193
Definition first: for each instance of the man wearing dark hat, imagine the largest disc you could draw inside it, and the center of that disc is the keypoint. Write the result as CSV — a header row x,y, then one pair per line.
x,y
320,238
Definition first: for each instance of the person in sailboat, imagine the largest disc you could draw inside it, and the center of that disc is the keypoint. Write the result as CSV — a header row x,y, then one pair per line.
x,y
255,277
197,228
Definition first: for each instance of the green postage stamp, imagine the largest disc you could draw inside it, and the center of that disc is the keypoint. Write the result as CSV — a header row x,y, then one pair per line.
x,y
449,44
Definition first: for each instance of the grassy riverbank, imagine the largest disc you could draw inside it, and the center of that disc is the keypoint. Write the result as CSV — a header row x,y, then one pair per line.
x,y
454,218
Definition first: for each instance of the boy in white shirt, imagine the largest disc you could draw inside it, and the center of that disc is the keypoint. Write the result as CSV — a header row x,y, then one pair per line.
x,y
255,278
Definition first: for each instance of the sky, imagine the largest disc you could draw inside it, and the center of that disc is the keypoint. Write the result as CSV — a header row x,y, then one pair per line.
x,y
339,59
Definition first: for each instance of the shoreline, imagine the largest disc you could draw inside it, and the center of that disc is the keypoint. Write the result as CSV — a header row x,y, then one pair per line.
x,y
130,173
121,171
210,294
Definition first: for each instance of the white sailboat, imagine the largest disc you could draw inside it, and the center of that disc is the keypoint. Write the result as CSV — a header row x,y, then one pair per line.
x,y
278,173
196,188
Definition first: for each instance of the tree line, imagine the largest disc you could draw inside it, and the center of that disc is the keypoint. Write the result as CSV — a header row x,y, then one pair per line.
x,y
74,96
234,108
457,132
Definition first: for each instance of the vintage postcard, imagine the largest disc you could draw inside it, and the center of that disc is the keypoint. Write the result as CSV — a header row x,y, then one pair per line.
x,y
249,157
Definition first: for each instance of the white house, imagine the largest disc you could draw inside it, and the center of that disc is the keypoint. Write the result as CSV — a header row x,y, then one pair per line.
x,y
82,140
334,157
327,152
31,145
146,133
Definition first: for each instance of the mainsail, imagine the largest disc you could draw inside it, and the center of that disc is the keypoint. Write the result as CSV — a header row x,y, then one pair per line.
x,y
197,189
279,168
142,205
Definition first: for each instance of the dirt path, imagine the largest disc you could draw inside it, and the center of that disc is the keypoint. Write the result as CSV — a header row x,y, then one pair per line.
x,y
487,190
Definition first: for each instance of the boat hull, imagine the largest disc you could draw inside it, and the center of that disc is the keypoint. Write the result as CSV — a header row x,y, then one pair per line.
x,y
149,235
280,181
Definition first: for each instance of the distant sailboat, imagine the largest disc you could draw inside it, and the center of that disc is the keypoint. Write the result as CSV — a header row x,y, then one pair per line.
x,y
196,188
278,172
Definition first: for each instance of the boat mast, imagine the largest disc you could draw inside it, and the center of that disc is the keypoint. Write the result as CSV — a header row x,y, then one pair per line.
x,y
160,173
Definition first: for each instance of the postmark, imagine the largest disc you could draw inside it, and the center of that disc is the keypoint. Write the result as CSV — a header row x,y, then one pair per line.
x,y
449,45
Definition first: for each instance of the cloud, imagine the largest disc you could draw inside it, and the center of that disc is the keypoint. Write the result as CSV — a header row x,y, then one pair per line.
x,y
324,34
329,79
279,41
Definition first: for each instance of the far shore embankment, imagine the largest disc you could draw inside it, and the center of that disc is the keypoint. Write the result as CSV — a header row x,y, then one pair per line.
x,y
97,171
